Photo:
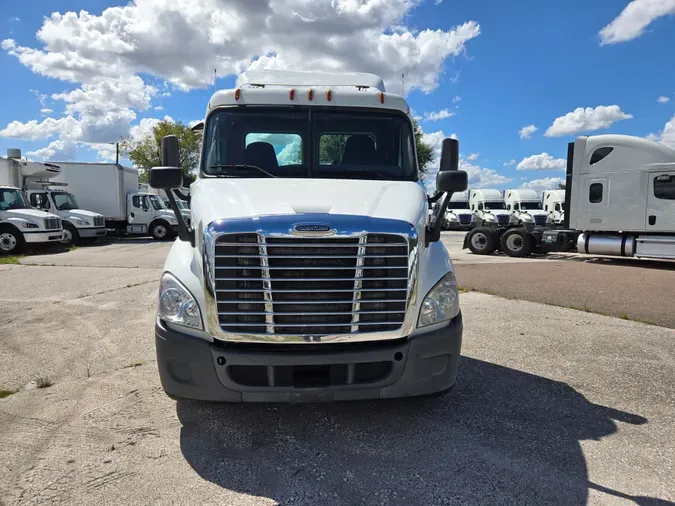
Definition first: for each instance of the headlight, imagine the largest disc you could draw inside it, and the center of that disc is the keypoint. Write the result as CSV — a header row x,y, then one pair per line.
x,y
441,303
82,223
30,225
177,305
473,217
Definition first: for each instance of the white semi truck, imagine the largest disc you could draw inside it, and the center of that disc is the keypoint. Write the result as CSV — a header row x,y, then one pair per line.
x,y
111,190
459,215
525,207
308,274
619,201
489,208
20,224
553,202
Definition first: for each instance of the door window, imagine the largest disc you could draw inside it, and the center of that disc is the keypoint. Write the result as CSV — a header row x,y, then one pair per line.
x,y
664,187
595,193
39,200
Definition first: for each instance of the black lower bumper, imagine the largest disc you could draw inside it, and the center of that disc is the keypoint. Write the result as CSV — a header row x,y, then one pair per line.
x,y
192,368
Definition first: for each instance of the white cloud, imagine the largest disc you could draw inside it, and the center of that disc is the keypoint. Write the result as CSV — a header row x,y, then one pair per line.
x,y
543,161
473,156
509,163
158,108
42,97
438,2
547,183
586,120
182,41
632,21
480,177
663,100
46,110
438,115
33,130
527,131
56,149
667,135
15,19
457,99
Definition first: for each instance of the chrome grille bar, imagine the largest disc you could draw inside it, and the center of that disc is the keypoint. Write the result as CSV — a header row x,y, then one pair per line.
x,y
267,285
358,283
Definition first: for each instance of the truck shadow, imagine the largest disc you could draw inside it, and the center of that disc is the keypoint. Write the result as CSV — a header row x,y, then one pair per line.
x,y
503,436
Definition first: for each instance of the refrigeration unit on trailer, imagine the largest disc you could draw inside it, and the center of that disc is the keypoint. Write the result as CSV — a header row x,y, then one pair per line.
x,y
459,215
310,271
488,208
553,202
525,207
20,224
112,190
619,201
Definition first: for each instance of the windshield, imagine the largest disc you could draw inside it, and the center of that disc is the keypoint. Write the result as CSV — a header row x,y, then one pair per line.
x,y
458,205
495,205
12,199
299,143
64,201
156,203
530,206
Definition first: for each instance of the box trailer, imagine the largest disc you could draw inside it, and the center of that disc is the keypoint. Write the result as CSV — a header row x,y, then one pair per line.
x,y
111,189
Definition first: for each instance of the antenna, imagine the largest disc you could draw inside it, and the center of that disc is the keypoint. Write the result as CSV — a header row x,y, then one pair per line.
x,y
403,85
215,76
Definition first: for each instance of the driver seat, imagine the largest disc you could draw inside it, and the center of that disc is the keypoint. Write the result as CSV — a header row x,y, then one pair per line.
x,y
360,150
262,154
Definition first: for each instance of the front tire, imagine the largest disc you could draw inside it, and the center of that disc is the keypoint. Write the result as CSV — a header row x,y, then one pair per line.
x,y
70,234
518,243
160,231
482,241
11,241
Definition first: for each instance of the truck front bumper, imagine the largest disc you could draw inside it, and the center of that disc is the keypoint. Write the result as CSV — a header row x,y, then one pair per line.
x,y
424,363
88,233
50,236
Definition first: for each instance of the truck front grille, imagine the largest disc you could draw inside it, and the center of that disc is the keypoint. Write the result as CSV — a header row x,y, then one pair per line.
x,y
99,221
310,286
464,219
540,220
52,223
503,219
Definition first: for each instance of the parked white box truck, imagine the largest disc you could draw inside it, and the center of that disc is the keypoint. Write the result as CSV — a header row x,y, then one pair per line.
x,y
308,274
489,208
619,201
112,190
20,224
525,207
459,215
553,202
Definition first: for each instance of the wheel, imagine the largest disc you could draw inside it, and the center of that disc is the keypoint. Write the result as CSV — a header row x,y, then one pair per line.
x,y
482,241
160,230
70,234
11,241
517,242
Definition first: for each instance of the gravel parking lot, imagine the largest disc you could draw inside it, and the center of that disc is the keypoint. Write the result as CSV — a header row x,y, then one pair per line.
x,y
552,406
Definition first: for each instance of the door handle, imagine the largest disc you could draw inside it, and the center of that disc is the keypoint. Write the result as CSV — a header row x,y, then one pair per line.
x,y
133,215
652,219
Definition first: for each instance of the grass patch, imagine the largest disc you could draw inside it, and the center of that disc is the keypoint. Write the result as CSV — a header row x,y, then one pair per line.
x,y
43,382
6,393
9,260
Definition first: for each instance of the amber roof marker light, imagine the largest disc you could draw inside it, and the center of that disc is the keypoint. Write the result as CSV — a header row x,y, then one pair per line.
x,y
237,94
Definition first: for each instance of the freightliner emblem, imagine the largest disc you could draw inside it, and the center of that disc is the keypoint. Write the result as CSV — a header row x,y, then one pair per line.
x,y
312,229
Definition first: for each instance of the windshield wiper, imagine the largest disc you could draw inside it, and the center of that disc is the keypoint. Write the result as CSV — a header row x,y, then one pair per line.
x,y
239,166
365,173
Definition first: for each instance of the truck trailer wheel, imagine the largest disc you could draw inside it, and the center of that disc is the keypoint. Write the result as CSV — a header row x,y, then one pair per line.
x,y
160,230
517,242
482,241
11,241
70,234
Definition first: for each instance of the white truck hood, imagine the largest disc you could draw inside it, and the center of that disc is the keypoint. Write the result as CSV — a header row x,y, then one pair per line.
x,y
34,214
245,198
82,213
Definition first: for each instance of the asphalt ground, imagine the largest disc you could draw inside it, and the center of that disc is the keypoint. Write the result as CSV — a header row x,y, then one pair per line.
x,y
552,406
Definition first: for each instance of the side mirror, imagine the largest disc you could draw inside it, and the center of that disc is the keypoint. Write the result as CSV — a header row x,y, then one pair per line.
x,y
452,181
169,176
449,155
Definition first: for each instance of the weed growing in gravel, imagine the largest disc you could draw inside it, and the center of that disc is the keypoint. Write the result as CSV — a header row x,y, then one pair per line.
x,y
7,260
6,393
41,382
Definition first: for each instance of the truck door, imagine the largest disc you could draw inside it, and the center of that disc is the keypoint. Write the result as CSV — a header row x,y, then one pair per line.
x,y
139,210
661,202
39,200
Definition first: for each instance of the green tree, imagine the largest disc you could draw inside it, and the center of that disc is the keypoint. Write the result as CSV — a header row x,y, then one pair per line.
x,y
146,152
562,186
331,148
425,152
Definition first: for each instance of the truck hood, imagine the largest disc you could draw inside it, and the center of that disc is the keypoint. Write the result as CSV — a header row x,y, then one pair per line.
x,y
81,213
30,214
497,212
214,199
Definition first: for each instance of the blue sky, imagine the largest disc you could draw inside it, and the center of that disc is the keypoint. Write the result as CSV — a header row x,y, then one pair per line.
x,y
494,67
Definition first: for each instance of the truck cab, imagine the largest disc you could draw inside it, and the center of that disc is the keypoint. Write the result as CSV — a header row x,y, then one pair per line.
x,y
553,202
525,207
310,271
489,208
78,224
146,215
459,215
